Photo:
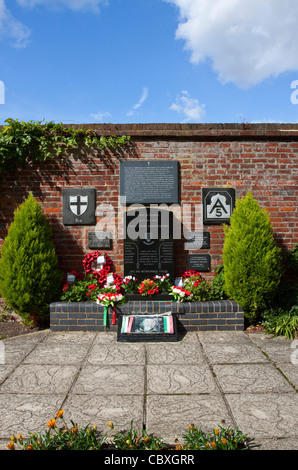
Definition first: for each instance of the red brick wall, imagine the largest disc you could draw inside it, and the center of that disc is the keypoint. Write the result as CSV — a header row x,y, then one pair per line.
x,y
259,158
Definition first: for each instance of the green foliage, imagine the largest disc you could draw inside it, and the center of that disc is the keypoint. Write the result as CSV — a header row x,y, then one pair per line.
x,y
76,437
219,439
39,141
218,283
199,288
132,440
252,260
29,274
279,322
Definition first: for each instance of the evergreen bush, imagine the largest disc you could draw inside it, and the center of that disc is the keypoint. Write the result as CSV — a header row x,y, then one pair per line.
x,y
29,274
252,260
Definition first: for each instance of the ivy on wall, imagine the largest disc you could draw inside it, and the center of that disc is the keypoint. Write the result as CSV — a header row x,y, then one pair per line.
x,y
37,141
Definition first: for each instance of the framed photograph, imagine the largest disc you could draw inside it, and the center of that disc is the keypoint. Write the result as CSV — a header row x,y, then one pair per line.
x,y
133,328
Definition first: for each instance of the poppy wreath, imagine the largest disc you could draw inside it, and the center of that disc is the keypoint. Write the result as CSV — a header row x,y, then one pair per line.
x,y
99,274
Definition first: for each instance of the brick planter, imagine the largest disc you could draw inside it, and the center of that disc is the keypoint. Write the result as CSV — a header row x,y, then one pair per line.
x,y
191,316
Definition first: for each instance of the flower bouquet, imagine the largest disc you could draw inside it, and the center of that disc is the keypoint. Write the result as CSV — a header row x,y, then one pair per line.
x,y
108,299
163,283
129,284
179,293
148,287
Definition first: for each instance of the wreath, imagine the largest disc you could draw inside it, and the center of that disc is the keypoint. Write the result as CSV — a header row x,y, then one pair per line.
x,y
90,263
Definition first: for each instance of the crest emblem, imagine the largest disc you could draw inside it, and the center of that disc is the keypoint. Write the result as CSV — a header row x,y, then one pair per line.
x,y
78,204
218,207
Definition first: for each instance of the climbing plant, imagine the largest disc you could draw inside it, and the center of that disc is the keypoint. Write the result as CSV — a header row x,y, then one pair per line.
x,y
38,141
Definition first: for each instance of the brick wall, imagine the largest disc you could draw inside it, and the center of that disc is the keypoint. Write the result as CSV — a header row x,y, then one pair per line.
x,y
260,158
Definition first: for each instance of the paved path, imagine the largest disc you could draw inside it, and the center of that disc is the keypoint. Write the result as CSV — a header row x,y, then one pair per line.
x,y
249,381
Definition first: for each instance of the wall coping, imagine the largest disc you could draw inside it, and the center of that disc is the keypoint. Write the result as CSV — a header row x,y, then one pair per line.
x,y
212,130
216,131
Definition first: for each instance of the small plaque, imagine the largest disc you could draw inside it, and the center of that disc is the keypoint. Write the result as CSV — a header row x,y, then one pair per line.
x,y
200,241
218,205
133,328
98,240
201,263
79,206
149,182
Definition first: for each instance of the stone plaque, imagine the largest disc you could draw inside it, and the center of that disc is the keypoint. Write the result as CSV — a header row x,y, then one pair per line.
x,y
152,252
218,205
79,206
201,263
99,240
133,328
200,241
149,182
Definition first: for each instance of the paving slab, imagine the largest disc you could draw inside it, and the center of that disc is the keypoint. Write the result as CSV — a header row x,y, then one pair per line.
x,y
168,416
268,415
186,351
230,347
38,379
111,380
180,379
256,378
116,353
99,410
21,414
278,349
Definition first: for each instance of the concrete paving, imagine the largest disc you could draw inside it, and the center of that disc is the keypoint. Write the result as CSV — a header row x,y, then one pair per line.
x,y
207,378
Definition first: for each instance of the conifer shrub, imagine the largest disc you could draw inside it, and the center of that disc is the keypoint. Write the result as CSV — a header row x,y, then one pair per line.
x,y
29,274
252,260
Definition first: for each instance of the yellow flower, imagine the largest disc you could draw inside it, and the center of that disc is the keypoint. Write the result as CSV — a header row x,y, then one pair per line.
x,y
224,441
13,438
10,445
127,442
30,447
110,424
51,423
59,414
145,439
20,437
216,431
213,444
74,429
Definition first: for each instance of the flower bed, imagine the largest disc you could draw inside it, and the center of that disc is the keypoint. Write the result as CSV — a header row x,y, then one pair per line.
x,y
92,301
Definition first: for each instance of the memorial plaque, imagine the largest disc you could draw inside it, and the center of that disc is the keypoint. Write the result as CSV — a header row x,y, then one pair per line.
x,y
152,252
200,241
79,206
218,205
133,328
149,182
99,240
201,263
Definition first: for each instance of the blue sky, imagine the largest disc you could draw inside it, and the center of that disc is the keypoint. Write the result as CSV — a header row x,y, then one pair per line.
x,y
147,61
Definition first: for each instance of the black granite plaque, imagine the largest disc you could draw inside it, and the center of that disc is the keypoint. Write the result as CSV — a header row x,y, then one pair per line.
x,y
99,240
152,252
201,263
198,241
218,205
79,206
149,182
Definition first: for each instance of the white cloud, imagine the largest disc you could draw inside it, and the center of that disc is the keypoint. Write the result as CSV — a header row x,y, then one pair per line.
x,y
246,40
72,4
100,115
190,107
11,28
142,99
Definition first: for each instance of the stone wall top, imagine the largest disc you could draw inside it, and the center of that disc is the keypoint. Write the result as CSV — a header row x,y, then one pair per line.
x,y
198,131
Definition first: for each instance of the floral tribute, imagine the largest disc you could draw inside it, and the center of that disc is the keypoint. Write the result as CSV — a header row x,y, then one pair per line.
x,y
148,287
110,299
179,293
